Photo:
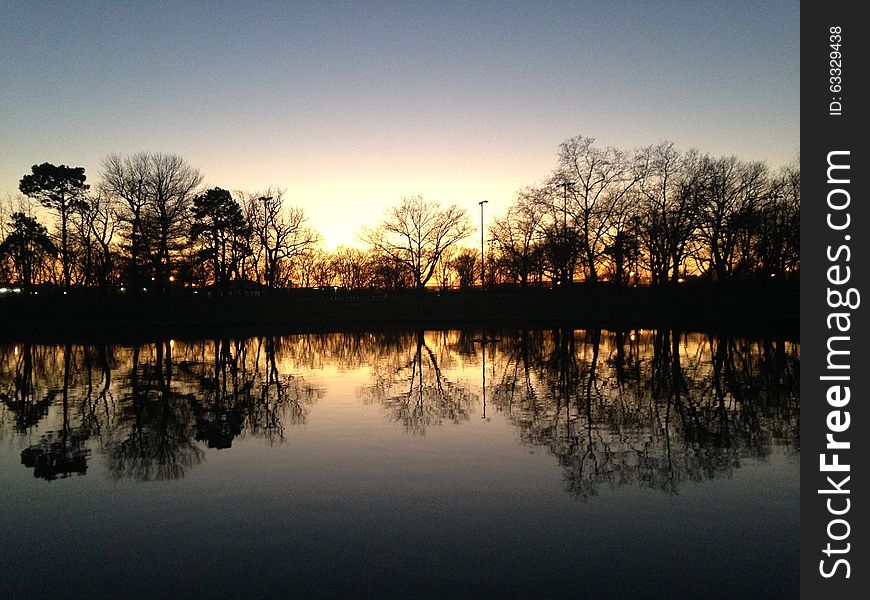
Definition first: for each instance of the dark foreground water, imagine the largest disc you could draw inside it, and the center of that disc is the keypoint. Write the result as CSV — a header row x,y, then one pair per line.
x,y
537,464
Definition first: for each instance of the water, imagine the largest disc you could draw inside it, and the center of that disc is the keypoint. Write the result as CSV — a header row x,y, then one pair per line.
x,y
534,464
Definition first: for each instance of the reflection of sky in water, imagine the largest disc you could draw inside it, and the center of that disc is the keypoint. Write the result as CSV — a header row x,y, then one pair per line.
x,y
336,463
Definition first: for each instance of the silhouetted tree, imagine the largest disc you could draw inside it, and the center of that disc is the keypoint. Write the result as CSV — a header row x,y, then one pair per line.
x,y
518,236
100,212
156,192
305,266
466,268
280,236
59,188
126,180
221,230
417,232
623,251
593,181
602,212
322,269
94,223
672,186
171,186
777,241
353,267
727,211
560,251
27,245
390,273
445,272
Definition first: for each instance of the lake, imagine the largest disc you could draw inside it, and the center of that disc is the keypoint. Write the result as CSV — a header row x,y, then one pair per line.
x,y
402,464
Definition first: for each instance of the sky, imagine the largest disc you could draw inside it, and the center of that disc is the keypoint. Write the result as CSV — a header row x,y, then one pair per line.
x,y
350,106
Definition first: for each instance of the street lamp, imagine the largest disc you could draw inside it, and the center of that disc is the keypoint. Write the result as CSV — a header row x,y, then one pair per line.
x,y
482,262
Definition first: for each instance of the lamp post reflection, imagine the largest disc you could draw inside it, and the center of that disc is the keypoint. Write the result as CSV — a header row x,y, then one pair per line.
x,y
483,373
483,341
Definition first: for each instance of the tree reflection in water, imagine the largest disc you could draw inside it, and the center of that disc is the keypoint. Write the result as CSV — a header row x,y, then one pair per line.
x,y
654,408
412,388
148,409
155,436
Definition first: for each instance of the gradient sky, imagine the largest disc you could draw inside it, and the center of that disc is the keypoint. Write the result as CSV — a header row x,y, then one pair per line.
x,y
350,106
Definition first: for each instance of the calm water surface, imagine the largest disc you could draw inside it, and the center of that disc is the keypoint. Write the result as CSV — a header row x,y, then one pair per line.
x,y
531,464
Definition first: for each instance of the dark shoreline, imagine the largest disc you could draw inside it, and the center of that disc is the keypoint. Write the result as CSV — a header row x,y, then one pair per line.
x,y
755,309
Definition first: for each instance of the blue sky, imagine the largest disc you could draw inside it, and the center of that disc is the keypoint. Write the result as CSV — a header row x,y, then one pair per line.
x,y
350,106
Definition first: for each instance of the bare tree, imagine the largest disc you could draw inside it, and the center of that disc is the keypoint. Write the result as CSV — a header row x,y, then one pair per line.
x,y
280,235
444,273
103,222
671,187
92,230
155,193
353,267
172,183
777,246
304,267
622,249
465,265
594,182
389,273
518,235
322,269
416,234
125,181
733,193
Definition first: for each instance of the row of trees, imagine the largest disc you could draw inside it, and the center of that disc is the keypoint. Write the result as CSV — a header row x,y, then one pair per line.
x,y
657,211
603,213
148,223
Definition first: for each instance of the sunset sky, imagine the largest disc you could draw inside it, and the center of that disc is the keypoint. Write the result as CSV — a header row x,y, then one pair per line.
x,y
350,106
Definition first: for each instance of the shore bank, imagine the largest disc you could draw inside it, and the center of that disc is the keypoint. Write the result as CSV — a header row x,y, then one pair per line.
x,y
747,308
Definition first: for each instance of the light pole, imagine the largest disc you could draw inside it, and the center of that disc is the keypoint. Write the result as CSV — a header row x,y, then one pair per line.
x,y
482,263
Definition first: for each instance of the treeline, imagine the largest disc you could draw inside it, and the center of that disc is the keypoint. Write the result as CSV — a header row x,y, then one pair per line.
x,y
655,213
651,215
